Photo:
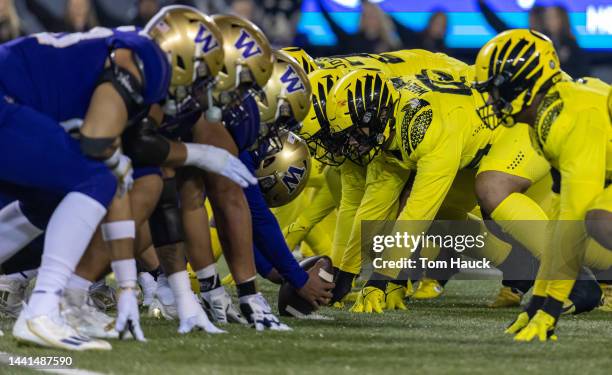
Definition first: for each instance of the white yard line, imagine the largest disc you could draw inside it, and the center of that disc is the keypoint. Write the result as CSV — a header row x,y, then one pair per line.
x,y
4,360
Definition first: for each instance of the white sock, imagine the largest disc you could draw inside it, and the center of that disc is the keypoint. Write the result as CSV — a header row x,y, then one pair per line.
x,y
70,230
16,231
79,283
206,272
185,300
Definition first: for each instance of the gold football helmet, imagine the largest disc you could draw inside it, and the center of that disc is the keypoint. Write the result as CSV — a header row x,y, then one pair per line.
x,y
360,110
304,59
511,69
193,43
248,55
282,176
284,100
315,127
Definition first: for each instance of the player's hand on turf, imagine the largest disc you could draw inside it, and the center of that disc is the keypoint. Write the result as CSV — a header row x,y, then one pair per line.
x,y
316,290
519,323
258,313
198,322
370,299
394,297
128,316
541,326
217,160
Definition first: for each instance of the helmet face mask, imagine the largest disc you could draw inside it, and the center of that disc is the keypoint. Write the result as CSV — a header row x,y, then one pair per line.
x,y
361,113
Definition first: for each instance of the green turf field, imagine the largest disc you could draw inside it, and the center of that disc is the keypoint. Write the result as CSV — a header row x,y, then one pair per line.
x,y
455,334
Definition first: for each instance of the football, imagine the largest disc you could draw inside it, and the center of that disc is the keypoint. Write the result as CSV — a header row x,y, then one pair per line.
x,y
289,301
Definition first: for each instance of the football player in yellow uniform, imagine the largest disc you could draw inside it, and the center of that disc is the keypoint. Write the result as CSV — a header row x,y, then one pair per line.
x,y
519,72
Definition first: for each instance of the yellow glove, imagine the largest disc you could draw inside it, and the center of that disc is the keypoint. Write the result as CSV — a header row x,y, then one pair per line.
x,y
394,297
519,323
542,326
370,299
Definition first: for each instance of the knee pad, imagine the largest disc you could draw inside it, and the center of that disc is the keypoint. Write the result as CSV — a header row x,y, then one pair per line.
x,y
165,223
586,294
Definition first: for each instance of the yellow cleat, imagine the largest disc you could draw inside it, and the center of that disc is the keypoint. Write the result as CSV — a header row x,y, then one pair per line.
x,y
507,297
394,297
428,289
606,298
351,297
338,305
541,326
370,299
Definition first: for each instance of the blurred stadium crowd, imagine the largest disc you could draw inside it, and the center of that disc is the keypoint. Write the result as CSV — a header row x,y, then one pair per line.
x,y
377,31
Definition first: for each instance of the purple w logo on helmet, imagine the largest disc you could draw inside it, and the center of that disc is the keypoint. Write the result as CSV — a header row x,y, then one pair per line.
x,y
292,178
245,41
291,80
208,40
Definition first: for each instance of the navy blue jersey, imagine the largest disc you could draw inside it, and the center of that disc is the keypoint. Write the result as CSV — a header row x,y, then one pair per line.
x,y
270,246
56,74
242,122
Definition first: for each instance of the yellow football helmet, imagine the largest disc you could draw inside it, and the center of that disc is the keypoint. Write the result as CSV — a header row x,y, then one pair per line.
x,y
193,43
315,127
360,110
511,69
282,176
303,58
248,55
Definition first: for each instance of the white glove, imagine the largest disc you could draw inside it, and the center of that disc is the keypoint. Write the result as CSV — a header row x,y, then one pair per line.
x,y
199,320
121,166
128,316
259,314
217,160
218,304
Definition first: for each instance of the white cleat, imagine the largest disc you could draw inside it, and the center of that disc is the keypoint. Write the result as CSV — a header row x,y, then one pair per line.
x,y
44,331
148,285
164,303
12,295
159,310
219,307
78,311
103,296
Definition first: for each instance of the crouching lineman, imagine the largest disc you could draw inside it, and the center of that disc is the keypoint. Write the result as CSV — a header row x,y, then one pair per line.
x,y
519,72
113,81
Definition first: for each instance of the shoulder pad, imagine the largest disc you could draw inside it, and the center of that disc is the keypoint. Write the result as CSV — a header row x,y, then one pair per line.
x,y
417,119
547,113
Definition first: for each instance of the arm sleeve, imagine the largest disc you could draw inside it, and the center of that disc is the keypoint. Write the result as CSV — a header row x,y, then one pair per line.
x,y
496,23
268,236
261,263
